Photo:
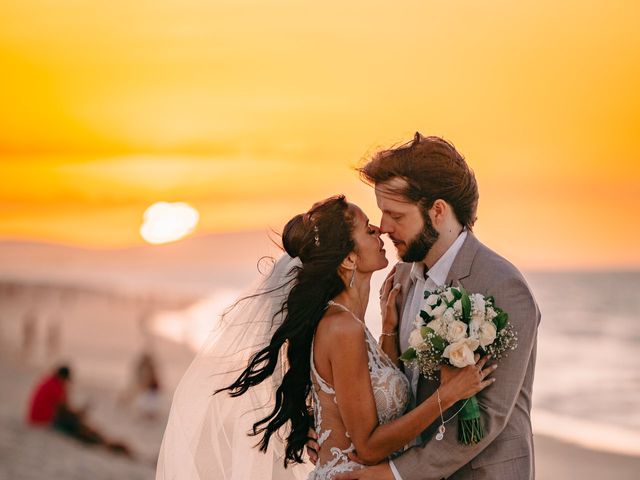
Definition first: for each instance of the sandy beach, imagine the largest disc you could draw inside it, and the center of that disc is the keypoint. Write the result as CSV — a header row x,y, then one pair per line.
x,y
28,453
101,352
560,460
34,453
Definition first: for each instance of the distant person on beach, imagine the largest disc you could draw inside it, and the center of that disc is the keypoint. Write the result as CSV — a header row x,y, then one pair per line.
x,y
53,335
48,395
29,323
49,406
144,386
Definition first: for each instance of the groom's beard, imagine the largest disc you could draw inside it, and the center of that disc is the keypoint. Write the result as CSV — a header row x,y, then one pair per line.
x,y
418,248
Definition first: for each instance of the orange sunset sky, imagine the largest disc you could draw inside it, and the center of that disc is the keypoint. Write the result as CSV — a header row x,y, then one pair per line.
x,y
252,110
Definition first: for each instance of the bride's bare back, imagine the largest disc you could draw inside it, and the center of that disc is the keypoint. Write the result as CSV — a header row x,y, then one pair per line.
x,y
368,383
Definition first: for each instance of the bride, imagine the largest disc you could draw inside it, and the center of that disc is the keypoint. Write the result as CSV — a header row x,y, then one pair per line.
x,y
296,355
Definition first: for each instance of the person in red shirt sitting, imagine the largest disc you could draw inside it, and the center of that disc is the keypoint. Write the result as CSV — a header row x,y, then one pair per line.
x,y
49,406
48,395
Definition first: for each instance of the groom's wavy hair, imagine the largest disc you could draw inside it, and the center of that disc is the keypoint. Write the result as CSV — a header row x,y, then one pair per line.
x,y
433,169
321,238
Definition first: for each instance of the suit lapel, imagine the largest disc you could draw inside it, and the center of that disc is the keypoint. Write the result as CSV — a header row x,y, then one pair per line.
x,y
461,267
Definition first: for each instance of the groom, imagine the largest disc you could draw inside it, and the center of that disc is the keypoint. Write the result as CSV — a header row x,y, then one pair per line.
x,y
428,197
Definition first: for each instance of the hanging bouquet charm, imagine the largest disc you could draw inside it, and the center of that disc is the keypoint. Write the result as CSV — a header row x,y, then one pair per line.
x,y
451,327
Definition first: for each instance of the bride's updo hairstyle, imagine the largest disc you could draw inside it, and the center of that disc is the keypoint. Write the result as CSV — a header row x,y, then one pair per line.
x,y
321,239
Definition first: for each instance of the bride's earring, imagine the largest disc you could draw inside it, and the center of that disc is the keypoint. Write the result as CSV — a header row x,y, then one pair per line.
x,y
353,279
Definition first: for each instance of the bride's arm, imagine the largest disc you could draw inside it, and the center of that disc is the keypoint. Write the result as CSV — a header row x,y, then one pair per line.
x,y
354,395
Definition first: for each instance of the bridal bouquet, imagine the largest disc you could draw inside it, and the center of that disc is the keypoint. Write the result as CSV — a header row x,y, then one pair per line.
x,y
451,327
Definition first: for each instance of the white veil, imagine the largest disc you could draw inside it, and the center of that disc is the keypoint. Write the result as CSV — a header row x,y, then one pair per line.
x,y
206,435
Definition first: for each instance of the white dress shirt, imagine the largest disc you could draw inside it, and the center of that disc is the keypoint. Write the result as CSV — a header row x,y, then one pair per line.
x,y
436,277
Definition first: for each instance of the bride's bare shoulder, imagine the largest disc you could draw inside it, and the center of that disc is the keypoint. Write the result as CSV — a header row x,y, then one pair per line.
x,y
339,327
339,338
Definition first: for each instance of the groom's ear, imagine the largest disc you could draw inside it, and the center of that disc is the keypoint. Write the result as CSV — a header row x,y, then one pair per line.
x,y
438,211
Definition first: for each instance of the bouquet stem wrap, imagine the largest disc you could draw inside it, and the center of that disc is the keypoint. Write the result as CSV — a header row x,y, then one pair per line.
x,y
470,428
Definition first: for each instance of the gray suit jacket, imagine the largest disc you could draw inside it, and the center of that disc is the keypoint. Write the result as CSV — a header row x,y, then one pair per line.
x,y
506,451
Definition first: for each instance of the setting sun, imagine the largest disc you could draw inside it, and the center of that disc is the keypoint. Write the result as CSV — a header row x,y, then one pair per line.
x,y
167,222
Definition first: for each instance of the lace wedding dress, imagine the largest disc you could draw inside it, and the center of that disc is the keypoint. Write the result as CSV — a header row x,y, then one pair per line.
x,y
391,392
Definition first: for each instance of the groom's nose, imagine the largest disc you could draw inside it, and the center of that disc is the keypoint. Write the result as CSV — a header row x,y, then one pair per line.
x,y
385,225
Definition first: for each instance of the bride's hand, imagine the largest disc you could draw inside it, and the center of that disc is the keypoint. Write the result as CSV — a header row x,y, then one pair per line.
x,y
460,383
388,307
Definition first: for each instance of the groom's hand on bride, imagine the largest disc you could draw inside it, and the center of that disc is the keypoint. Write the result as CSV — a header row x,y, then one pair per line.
x,y
381,471
312,446
388,307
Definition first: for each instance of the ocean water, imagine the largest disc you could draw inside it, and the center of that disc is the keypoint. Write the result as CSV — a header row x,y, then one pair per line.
x,y
587,385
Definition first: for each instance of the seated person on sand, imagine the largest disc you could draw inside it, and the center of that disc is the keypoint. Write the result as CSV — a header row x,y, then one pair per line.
x,y
49,406
144,387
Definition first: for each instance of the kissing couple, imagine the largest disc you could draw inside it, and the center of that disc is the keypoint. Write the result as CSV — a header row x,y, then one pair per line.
x,y
291,384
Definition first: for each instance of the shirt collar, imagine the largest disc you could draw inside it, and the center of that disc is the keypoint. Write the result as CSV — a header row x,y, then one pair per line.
x,y
440,270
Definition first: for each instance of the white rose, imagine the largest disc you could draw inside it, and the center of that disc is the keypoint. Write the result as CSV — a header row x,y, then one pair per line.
x,y
487,334
439,310
415,340
491,313
449,315
457,331
477,303
432,299
418,322
449,295
438,327
460,354
458,306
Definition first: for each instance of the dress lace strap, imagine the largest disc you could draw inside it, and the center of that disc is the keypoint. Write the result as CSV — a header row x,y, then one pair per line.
x,y
342,307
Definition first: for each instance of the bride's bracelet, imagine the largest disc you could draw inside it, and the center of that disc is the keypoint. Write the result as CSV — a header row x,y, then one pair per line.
x,y
389,334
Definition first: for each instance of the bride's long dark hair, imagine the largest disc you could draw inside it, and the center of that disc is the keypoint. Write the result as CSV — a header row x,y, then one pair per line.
x,y
321,238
